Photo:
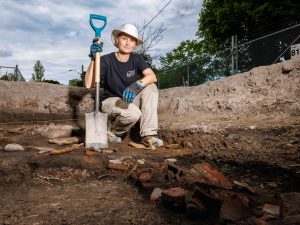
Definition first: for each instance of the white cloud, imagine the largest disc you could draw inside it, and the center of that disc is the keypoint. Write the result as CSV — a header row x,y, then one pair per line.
x,y
58,32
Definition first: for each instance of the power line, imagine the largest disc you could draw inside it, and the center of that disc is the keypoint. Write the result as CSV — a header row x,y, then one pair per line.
x,y
54,74
156,15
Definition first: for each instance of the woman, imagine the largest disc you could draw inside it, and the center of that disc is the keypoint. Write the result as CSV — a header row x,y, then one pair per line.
x,y
128,97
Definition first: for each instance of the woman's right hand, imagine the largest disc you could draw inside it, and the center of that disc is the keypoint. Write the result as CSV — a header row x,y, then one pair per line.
x,y
95,47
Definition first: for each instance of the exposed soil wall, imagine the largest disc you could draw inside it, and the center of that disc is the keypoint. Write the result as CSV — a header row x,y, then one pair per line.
x,y
268,94
264,95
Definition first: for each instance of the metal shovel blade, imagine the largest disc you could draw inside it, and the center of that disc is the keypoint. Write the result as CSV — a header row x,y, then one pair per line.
x,y
96,130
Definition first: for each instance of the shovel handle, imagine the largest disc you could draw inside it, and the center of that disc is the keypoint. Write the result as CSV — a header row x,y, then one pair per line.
x,y
97,29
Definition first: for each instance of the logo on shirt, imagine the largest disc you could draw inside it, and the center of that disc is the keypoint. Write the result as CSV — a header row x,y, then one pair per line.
x,y
130,73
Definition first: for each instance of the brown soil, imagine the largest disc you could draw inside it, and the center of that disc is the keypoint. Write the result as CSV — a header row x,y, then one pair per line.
x,y
77,189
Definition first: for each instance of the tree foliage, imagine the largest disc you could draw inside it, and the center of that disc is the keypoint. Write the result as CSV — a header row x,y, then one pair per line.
x,y
51,81
78,82
39,70
9,77
218,21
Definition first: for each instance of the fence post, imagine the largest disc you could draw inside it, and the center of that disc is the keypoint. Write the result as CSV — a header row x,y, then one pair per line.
x,y
236,53
188,75
232,54
16,71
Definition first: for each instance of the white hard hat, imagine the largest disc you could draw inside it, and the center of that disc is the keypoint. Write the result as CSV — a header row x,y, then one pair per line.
x,y
128,29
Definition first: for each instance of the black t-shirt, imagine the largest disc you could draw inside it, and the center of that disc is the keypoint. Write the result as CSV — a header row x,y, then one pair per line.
x,y
118,75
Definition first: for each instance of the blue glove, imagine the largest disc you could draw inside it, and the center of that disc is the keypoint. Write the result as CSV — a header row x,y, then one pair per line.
x,y
95,47
132,91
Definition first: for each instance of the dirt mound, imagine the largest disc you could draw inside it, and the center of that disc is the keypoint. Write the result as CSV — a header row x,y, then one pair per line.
x,y
264,95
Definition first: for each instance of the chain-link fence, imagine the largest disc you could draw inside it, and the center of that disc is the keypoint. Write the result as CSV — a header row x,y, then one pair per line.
x,y
266,50
241,57
201,69
11,73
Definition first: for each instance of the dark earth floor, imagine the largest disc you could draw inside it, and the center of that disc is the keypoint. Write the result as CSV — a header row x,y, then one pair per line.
x,y
75,188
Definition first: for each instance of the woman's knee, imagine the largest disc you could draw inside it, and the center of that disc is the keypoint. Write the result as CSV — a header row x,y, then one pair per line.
x,y
131,115
151,88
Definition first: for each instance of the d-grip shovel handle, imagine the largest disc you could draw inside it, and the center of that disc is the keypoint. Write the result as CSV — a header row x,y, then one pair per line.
x,y
97,29
97,56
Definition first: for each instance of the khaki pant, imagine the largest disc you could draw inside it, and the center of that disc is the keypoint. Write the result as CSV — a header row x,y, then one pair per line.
x,y
122,116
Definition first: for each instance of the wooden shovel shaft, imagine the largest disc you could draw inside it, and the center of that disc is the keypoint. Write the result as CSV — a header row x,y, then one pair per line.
x,y
97,66
97,79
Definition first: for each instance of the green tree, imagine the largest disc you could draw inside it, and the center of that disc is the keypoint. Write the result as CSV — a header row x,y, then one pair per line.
x,y
50,81
219,19
8,77
39,71
78,82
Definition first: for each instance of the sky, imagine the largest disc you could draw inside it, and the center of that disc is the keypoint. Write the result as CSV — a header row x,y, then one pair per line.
x,y
58,33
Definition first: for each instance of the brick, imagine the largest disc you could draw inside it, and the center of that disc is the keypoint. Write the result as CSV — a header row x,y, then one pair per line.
x,y
175,196
148,185
205,201
117,167
211,174
195,211
175,169
234,208
90,153
145,176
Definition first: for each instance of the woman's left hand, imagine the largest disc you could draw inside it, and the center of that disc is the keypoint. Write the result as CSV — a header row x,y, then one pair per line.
x,y
132,91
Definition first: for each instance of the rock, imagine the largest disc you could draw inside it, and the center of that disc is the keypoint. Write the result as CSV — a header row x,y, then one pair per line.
x,y
172,160
64,141
141,161
43,150
107,151
292,220
173,146
290,204
187,144
271,209
244,185
155,194
13,147
138,145
55,131
19,130
287,67
115,161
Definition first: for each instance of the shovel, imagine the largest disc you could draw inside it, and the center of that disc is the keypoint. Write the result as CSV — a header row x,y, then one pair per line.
x,y
96,122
